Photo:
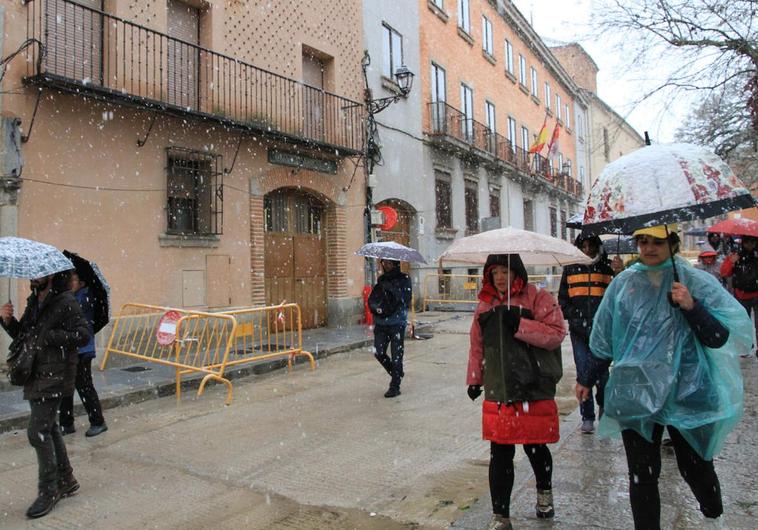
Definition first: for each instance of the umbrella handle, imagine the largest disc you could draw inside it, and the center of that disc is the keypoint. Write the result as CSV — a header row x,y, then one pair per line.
x,y
673,265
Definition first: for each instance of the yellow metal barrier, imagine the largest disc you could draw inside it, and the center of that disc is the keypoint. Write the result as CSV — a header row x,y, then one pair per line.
x,y
208,342
453,289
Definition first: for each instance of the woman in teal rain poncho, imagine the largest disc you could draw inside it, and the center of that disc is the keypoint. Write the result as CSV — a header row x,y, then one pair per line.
x,y
673,366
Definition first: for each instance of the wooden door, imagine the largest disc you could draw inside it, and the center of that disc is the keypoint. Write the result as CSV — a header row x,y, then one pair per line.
x,y
183,56
295,254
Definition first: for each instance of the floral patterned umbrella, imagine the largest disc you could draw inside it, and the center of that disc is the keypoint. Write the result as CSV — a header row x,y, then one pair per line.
x,y
25,258
662,184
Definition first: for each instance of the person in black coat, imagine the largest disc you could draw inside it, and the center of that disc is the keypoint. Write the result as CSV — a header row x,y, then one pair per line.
x,y
54,327
389,302
582,288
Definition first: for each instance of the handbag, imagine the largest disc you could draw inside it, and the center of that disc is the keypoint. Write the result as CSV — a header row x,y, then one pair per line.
x,y
20,361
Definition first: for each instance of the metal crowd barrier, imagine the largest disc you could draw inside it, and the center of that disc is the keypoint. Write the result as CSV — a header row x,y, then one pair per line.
x,y
206,343
462,289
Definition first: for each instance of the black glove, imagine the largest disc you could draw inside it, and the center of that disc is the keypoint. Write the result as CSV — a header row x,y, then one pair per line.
x,y
512,320
474,391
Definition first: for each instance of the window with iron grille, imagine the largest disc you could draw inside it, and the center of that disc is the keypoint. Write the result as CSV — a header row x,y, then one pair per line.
x,y
288,212
443,194
564,230
471,198
495,202
553,222
195,192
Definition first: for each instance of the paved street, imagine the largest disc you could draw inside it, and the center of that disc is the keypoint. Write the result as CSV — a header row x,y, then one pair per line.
x,y
325,450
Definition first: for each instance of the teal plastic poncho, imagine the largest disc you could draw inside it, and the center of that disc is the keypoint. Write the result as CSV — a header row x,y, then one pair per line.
x,y
661,373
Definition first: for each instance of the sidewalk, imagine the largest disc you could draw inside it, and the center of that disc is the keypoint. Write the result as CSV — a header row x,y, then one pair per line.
x,y
122,383
590,480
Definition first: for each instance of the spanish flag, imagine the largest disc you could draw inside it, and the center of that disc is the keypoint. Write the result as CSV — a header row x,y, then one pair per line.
x,y
539,142
554,145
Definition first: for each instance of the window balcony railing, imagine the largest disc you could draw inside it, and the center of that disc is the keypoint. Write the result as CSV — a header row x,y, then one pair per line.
x,y
447,121
86,51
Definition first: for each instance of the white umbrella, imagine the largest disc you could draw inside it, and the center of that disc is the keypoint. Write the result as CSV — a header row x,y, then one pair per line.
x,y
390,250
25,258
534,248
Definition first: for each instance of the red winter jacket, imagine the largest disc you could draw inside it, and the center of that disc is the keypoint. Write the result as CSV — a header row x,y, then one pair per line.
x,y
519,423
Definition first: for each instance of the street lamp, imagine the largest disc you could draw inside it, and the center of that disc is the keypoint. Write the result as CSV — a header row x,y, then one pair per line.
x,y
373,151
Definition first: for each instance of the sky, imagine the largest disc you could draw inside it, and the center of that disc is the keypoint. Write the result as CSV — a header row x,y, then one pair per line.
x,y
568,21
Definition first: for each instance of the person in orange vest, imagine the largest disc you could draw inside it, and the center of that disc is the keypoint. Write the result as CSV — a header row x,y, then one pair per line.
x,y
742,268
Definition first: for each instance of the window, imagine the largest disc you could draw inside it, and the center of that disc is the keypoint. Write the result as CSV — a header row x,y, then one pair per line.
x,y
560,163
535,84
464,22
494,202
580,125
508,57
512,132
392,54
564,230
525,138
467,109
567,116
606,145
443,194
471,199
528,215
195,192
522,69
489,110
581,174
553,222
558,106
439,96
568,167
547,95
487,43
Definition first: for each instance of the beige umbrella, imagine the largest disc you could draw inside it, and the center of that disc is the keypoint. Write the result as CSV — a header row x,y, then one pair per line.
x,y
534,248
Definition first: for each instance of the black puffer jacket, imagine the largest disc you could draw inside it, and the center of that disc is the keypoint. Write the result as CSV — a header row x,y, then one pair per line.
x,y
55,329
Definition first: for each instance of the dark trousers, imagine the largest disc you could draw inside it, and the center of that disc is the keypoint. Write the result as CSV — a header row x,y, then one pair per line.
x,y
385,336
45,436
87,394
584,366
751,306
644,460
501,472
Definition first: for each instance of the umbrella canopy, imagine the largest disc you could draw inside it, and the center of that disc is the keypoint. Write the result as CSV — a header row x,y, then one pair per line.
x,y
390,250
697,232
99,290
575,221
25,258
662,184
534,248
736,227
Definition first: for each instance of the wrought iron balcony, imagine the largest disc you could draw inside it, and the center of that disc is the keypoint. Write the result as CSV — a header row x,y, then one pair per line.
x,y
90,52
452,125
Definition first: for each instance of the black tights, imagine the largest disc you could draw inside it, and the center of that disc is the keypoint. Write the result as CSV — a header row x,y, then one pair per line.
x,y
501,472
644,459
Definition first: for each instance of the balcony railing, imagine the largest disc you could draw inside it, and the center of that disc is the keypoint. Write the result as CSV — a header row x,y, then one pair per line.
x,y
84,50
450,122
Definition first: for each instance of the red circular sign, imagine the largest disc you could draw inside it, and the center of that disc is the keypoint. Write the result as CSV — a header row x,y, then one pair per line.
x,y
166,333
390,217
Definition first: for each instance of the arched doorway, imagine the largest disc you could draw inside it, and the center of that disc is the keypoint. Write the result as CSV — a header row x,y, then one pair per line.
x,y
295,253
401,232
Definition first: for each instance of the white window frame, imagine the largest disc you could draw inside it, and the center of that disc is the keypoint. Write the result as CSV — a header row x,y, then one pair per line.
x,y
535,82
525,140
490,116
512,131
548,96
567,117
558,106
508,57
487,41
464,16
522,69
467,109
391,39
437,73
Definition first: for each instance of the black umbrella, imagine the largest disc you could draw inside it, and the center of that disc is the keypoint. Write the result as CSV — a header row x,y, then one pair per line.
x,y
99,291
575,221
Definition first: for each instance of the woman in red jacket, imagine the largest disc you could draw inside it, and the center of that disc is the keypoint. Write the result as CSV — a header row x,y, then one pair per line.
x,y
515,354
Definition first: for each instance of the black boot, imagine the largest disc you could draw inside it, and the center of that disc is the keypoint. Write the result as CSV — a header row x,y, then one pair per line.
x,y
68,486
43,505
393,391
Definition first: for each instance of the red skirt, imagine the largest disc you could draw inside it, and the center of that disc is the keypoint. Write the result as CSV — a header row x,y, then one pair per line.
x,y
514,423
